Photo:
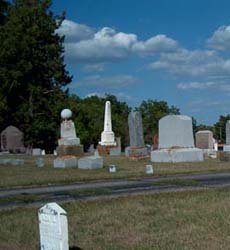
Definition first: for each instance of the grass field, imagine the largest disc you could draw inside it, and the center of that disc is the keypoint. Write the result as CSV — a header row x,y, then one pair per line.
x,y
188,220
30,175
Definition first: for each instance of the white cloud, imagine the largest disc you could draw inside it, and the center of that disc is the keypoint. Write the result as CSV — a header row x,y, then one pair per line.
x,y
107,81
220,39
85,45
196,85
192,63
156,44
75,32
94,67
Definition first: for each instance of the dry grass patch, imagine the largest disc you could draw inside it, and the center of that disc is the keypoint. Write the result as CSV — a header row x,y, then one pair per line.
x,y
193,220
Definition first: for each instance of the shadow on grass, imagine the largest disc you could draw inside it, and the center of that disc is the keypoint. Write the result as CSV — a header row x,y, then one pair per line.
x,y
75,248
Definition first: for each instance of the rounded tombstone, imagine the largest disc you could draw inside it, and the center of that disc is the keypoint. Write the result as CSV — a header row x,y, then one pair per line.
x,y
66,114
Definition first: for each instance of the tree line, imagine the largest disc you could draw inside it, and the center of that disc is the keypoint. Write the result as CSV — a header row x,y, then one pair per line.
x,y
34,83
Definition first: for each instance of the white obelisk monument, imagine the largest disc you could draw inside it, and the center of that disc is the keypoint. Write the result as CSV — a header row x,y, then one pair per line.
x,y
107,136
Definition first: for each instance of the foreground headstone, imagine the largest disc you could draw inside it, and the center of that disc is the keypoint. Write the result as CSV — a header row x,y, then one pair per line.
x,y
40,162
12,140
14,162
176,143
137,149
204,139
69,143
53,227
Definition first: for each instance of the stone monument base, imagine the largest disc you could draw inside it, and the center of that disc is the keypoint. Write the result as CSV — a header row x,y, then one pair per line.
x,y
136,152
76,150
69,141
177,155
108,150
226,148
90,162
65,162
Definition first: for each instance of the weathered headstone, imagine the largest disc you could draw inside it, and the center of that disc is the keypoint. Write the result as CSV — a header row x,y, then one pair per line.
x,y
176,142
12,140
69,143
136,137
53,227
137,147
204,139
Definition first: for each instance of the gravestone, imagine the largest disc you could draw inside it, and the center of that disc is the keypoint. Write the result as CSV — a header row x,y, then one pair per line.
x,y
112,169
36,151
12,140
136,137
204,139
149,169
227,126
137,147
176,142
69,143
91,162
53,227
226,147
68,161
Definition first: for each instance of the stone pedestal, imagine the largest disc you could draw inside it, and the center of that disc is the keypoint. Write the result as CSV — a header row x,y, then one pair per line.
x,y
76,150
105,150
136,152
177,155
65,162
90,162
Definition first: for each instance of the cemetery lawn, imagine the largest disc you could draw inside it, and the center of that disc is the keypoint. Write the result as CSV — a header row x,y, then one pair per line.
x,y
185,220
30,175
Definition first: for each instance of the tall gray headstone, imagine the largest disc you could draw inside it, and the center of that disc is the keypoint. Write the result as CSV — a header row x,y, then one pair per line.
x,y
135,129
53,227
228,132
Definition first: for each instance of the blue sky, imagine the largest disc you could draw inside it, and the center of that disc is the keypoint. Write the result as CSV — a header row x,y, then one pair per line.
x,y
172,50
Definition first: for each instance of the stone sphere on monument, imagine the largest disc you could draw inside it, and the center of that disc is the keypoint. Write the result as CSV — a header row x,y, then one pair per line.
x,y
66,114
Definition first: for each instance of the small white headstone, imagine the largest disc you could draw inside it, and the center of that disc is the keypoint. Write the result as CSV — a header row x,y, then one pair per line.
x,y
149,169
53,227
43,152
55,153
112,169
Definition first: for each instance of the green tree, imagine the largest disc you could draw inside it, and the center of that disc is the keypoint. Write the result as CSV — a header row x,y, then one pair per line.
x,y
32,71
219,130
152,111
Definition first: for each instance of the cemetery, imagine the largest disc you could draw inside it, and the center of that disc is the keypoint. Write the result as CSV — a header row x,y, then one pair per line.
x,y
110,140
